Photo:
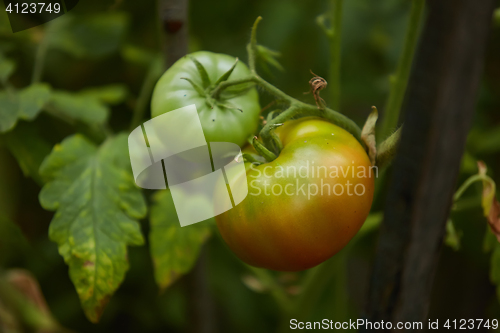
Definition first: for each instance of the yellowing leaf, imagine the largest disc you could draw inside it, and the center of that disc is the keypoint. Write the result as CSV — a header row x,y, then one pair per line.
x,y
97,204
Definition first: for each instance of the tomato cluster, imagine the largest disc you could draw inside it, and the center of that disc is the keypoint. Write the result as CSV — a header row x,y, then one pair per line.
x,y
302,207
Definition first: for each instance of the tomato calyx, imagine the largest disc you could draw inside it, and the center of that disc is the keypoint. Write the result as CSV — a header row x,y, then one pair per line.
x,y
212,91
262,150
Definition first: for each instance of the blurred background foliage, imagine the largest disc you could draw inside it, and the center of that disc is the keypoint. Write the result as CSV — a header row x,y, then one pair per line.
x,y
111,45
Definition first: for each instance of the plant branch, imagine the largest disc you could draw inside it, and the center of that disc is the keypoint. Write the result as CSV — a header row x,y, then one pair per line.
x,y
399,81
252,46
296,108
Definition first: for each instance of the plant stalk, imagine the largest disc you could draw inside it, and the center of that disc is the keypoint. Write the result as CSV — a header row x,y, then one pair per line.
x,y
335,53
40,55
399,81
148,85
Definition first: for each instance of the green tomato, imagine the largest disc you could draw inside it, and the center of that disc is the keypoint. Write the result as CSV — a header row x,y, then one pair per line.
x,y
232,116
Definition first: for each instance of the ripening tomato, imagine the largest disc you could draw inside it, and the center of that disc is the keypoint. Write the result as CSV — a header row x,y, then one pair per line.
x,y
232,116
307,204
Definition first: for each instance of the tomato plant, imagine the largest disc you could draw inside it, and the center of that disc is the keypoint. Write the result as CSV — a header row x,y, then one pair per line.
x,y
304,203
307,204
230,116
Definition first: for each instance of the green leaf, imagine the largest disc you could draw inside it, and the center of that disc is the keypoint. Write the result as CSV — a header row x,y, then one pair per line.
x,y
7,67
174,249
25,104
9,110
28,148
92,36
97,206
79,107
32,100
112,94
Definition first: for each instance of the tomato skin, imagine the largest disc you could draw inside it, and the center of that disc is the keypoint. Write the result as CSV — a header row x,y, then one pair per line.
x,y
293,232
219,124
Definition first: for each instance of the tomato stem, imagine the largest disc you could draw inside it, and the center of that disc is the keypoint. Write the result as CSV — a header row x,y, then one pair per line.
x,y
296,108
252,46
262,150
